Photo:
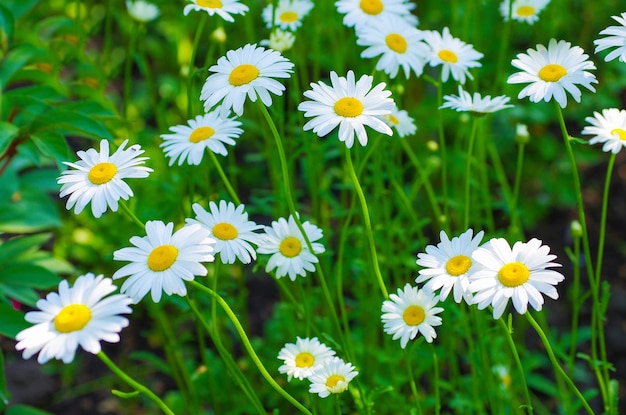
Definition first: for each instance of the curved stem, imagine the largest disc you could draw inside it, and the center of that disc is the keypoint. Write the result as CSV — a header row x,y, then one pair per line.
x,y
518,363
468,165
224,178
517,227
416,395
192,65
444,161
131,215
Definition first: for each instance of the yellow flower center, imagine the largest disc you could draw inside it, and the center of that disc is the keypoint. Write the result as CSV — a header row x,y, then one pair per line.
x,y
506,381
620,133
458,265
209,4
162,257
290,247
448,56
333,380
305,359
243,74
225,231
72,317
526,11
396,42
201,134
348,107
102,173
372,7
288,17
513,274
413,315
552,72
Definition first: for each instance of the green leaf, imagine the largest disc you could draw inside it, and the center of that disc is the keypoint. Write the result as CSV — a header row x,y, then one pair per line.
x,y
14,247
19,7
23,295
28,275
8,132
27,211
125,395
12,322
7,22
25,410
72,121
52,144
14,61
5,396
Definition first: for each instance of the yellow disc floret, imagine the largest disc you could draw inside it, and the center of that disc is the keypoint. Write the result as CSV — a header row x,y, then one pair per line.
x,y
348,107
288,17
526,11
396,42
458,265
102,173
209,4
448,56
201,134
225,231
290,247
305,359
372,7
413,315
513,274
72,317
552,72
162,257
620,133
243,74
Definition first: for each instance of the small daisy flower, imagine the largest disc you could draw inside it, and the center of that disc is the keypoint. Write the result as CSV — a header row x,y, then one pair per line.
x,y
410,312
449,265
232,230
247,71
616,38
363,12
397,43
142,11
523,10
288,15
99,178
608,128
348,104
553,71
520,274
303,357
279,40
475,104
188,142
290,254
504,376
401,121
455,56
223,8
162,260
333,376
75,316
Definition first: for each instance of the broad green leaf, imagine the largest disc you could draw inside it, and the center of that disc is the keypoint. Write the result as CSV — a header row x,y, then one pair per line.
x,y
8,132
27,275
13,248
71,121
44,180
19,7
7,22
11,323
21,294
4,392
89,107
26,211
14,61
25,410
53,145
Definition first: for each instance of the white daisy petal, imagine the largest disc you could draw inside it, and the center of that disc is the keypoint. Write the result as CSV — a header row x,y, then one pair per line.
x,y
332,377
303,357
609,128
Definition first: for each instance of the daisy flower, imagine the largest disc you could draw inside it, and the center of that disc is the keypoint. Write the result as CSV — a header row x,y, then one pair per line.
x,y
553,71
247,71
348,104
75,316
449,265
363,12
223,8
290,254
520,273
303,357
475,104
410,312
608,128
455,56
397,43
162,260
616,38
288,15
99,178
232,230
142,11
523,10
279,40
401,121
332,377
188,142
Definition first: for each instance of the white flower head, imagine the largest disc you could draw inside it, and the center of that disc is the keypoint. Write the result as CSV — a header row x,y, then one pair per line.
x,y
475,104
553,71
75,316
288,15
361,13
303,357
403,123
223,8
615,38
279,40
333,376
455,56
608,128
99,177
523,10
142,11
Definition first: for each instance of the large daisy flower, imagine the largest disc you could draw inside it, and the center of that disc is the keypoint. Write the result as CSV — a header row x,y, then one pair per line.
x,y
616,38
399,119
449,265
223,8
290,254
454,55
247,71
348,104
363,12
99,178
520,274
232,230
333,376
75,316
608,128
162,260
475,104
523,10
188,142
553,71
409,312
288,15
303,357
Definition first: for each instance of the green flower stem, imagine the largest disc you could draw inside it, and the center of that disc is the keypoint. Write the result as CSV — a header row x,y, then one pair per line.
x,y
444,157
468,169
220,171
133,383
248,346
131,214
502,52
416,395
128,65
515,221
576,303
556,364
436,380
192,64
518,363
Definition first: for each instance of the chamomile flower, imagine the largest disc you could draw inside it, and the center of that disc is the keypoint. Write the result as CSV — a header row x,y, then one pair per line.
x,y
401,121
449,265
363,12
279,40
232,230
162,260
290,254
99,177
455,56
223,8
348,104
288,15
520,273
303,357
245,72
333,376
75,316
523,10
608,128
552,71
142,11
409,312
397,43
188,142
475,104
616,38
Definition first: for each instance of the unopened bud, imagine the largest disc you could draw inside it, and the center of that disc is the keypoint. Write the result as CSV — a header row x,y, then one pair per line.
x,y
521,133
